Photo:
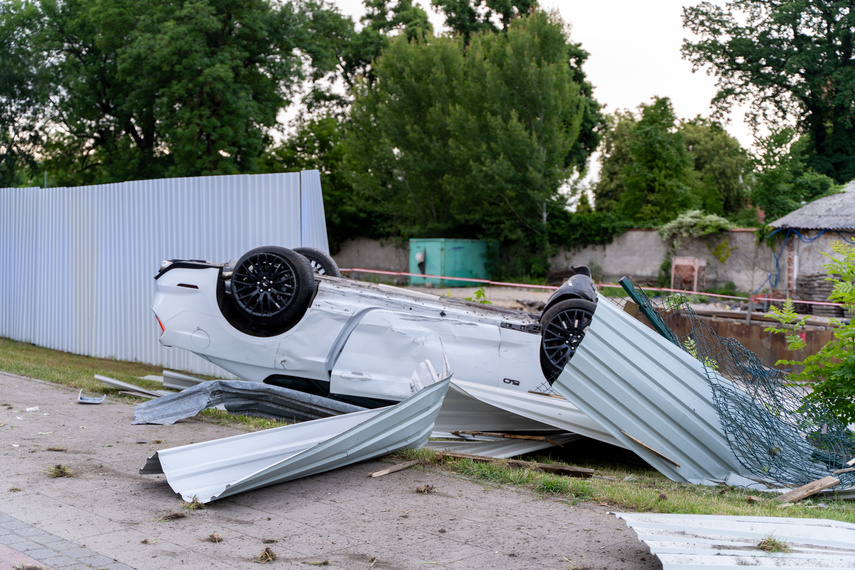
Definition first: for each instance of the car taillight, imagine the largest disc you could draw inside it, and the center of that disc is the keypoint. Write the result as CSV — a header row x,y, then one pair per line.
x,y
162,328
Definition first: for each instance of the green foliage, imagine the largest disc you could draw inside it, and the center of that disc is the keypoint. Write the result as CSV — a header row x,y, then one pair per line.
x,y
693,223
653,168
480,296
831,371
782,182
659,180
316,144
578,229
723,250
646,173
785,59
470,143
468,17
131,91
721,165
19,110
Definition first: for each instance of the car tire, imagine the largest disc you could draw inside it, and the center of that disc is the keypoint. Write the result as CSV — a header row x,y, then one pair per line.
x,y
564,326
269,290
322,264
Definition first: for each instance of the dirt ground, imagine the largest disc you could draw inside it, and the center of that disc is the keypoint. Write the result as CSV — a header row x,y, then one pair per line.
x,y
108,516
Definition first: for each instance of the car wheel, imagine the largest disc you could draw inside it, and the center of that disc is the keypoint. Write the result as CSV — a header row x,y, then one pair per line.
x,y
564,326
321,263
270,289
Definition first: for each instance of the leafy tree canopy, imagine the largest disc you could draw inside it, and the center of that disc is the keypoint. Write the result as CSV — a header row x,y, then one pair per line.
x,y
470,142
19,111
791,61
722,165
655,167
782,181
647,173
468,17
143,90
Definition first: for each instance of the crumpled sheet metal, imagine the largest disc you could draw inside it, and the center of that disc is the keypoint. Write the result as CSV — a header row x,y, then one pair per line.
x,y
715,541
489,408
501,448
240,397
216,469
651,396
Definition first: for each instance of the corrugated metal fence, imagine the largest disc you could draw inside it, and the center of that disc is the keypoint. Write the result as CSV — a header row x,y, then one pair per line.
x,y
77,264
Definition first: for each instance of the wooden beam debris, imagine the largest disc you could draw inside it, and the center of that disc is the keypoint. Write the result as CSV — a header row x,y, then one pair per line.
x,y
806,491
507,436
517,464
392,469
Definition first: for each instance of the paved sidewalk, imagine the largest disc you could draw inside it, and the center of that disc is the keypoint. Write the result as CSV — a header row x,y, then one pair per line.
x,y
25,545
108,516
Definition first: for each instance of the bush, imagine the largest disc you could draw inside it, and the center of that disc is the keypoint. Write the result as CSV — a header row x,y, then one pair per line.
x,y
831,371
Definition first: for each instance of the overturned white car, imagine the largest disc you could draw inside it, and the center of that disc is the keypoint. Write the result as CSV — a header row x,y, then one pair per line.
x,y
287,317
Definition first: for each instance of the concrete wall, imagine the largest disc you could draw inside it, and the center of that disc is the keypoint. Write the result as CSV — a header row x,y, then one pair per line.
x,y
636,254
367,253
746,263
809,258
639,254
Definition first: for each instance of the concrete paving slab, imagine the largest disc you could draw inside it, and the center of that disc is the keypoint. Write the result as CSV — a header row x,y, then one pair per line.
x,y
107,515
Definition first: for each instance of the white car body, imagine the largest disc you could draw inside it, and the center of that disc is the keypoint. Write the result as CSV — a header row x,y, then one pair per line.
x,y
355,339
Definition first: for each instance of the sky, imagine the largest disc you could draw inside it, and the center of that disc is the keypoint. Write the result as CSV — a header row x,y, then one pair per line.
x,y
634,49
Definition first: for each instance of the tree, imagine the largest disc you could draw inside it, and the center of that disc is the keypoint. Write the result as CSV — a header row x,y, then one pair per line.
x,y
781,181
19,113
722,165
470,143
316,145
648,173
468,17
792,61
135,91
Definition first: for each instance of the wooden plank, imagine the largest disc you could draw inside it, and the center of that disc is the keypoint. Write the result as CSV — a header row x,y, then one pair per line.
x,y
851,462
392,469
847,470
544,394
517,464
811,488
650,449
507,436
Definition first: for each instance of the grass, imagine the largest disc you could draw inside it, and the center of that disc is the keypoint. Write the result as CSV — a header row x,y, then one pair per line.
x,y
772,544
79,371
623,482
58,471
74,370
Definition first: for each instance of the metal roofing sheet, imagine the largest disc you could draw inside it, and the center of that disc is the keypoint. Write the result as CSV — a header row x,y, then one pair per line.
x,y
215,469
550,411
462,411
501,448
239,397
714,541
650,395
835,212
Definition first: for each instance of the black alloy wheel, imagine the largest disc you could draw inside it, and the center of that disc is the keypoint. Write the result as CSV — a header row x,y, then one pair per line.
x,y
564,326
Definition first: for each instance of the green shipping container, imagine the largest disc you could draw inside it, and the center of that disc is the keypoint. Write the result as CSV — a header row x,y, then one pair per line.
x,y
451,258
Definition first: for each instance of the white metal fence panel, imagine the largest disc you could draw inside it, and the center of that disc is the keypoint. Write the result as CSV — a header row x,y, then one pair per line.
x,y
78,263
